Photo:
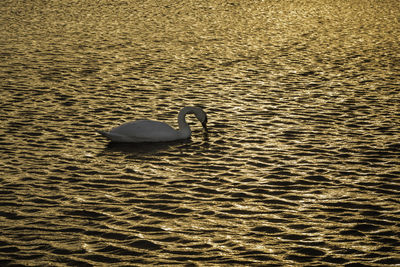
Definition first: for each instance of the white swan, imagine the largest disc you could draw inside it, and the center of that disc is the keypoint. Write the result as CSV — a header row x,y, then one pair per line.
x,y
155,131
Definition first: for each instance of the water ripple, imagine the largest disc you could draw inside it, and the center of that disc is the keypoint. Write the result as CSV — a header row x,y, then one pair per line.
x,y
300,166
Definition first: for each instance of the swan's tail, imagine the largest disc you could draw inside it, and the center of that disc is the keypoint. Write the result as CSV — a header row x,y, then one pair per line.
x,y
106,134
113,137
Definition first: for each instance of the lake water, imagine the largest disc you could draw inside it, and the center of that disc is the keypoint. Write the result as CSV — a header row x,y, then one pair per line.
x,y
301,165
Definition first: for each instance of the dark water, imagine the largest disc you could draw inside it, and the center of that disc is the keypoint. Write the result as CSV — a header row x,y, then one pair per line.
x,y
301,166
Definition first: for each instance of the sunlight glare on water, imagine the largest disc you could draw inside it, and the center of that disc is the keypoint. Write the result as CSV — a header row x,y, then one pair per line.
x,y
300,167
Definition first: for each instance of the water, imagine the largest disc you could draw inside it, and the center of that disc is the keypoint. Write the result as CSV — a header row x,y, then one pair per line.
x,y
301,165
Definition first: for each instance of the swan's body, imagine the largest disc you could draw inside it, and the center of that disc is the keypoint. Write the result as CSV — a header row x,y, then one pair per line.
x,y
154,131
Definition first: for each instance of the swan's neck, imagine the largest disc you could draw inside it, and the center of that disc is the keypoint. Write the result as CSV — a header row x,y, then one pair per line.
x,y
184,129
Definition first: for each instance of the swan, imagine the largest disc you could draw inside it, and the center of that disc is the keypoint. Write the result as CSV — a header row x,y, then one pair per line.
x,y
154,131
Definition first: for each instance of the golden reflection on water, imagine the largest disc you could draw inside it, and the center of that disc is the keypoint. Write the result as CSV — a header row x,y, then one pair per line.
x,y
300,166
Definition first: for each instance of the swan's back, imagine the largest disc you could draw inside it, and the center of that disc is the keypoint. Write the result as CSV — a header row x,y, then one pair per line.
x,y
143,131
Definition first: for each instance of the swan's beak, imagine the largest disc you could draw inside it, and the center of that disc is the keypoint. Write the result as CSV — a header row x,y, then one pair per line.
x,y
204,126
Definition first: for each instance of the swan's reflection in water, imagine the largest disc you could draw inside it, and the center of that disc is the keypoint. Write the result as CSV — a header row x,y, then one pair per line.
x,y
143,148
157,148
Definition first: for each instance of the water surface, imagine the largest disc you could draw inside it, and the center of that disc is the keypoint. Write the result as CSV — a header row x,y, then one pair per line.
x,y
300,167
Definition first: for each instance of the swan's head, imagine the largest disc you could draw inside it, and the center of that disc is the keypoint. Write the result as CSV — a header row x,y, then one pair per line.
x,y
202,117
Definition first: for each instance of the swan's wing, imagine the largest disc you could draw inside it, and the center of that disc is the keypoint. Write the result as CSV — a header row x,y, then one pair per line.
x,y
145,131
